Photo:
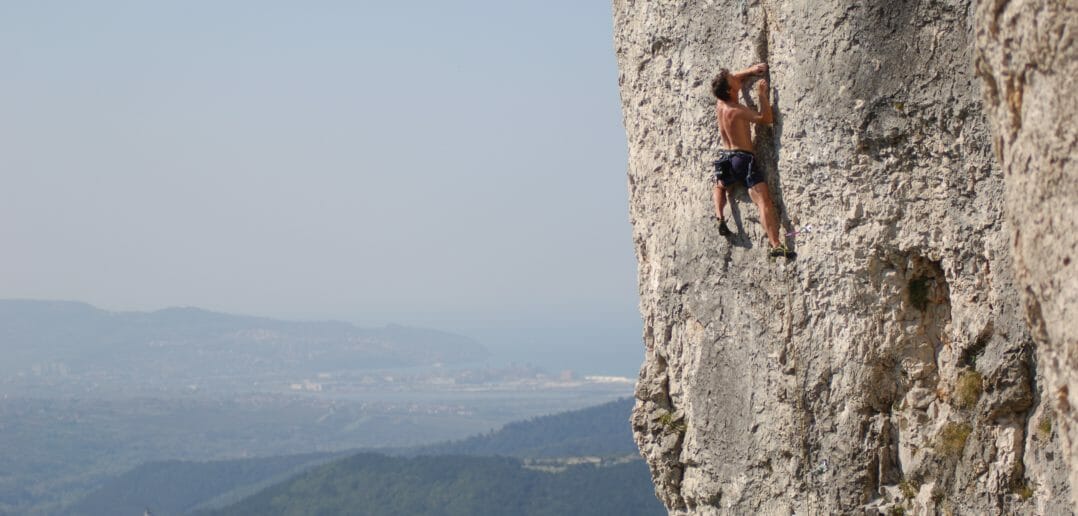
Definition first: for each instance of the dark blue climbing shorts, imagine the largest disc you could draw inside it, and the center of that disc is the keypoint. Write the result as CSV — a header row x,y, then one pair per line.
x,y
734,166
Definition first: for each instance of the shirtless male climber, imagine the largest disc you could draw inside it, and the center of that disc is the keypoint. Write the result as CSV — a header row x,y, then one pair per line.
x,y
736,161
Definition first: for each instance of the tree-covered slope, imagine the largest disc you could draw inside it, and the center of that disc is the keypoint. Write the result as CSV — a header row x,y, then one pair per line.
x,y
177,487
174,487
601,430
374,485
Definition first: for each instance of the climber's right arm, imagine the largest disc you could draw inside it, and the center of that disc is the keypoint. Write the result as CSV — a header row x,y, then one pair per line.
x,y
764,116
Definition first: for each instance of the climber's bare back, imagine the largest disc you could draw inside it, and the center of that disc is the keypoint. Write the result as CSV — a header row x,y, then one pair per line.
x,y
734,124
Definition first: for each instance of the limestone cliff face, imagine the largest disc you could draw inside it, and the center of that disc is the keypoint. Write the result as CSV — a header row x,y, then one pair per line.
x,y
889,365
1028,58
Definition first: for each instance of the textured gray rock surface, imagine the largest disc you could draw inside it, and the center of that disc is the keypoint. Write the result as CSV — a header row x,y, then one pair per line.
x,y
890,364
1028,58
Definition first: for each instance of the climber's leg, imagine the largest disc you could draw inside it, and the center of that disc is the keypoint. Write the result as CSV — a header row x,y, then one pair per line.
x,y
761,196
719,196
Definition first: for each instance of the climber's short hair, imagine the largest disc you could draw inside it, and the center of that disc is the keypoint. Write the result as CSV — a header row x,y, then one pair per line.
x,y
720,85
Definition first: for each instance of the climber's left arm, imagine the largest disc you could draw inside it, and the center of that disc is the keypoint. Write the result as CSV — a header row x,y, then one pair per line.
x,y
755,70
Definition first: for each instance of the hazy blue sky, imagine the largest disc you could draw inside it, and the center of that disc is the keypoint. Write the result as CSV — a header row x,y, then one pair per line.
x,y
454,164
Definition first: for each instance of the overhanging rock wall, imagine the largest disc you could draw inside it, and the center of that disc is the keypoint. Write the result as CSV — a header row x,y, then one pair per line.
x,y
890,364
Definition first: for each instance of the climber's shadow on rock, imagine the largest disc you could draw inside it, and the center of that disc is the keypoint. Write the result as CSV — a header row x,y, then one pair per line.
x,y
734,197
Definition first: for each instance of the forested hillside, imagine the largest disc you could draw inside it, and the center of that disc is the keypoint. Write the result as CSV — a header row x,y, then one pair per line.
x,y
597,431
555,441
375,485
178,487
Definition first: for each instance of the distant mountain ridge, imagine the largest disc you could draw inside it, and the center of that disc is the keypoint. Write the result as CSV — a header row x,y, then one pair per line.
x,y
78,337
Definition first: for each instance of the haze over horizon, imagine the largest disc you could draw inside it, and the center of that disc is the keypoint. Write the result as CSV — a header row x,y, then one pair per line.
x,y
459,167
453,167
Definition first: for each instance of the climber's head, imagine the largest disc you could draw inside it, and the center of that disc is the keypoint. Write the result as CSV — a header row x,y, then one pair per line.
x,y
721,84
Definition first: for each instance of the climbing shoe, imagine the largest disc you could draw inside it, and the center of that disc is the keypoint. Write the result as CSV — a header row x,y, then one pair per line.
x,y
781,251
724,230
